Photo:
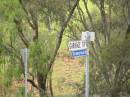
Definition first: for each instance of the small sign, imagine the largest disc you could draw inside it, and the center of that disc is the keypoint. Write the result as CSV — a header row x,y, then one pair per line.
x,y
79,53
89,36
77,45
24,53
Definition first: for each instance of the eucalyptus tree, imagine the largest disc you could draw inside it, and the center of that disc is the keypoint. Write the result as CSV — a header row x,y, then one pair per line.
x,y
38,25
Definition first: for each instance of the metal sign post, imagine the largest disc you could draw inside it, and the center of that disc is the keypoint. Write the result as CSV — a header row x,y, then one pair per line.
x,y
88,36
87,75
24,53
81,48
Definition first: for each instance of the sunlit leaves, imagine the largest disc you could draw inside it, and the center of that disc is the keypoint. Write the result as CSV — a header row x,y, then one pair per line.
x,y
10,9
40,53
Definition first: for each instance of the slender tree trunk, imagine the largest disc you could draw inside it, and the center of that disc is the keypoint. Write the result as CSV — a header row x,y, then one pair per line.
x,y
104,21
82,17
42,85
50,86
42,78
110,20
128,28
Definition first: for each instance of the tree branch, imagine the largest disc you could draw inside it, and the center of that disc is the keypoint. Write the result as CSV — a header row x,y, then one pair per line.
x,y
32,20
60,34
82,17
33,83
18,25
25,10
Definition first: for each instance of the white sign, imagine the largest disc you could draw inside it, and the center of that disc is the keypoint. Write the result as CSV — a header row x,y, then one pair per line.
x,y
24,53
89,36
77,45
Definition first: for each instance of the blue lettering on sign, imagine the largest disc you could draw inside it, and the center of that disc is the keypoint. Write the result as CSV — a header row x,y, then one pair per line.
x,y
79,53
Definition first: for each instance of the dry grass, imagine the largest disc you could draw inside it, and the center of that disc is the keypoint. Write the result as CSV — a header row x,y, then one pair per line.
x,y
67,75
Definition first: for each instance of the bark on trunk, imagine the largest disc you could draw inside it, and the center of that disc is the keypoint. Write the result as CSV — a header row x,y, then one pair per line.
x,y
42,85
104,21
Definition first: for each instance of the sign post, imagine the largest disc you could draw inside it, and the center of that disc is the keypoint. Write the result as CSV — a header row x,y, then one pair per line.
x,y
81,48
87,75
88,37
24,53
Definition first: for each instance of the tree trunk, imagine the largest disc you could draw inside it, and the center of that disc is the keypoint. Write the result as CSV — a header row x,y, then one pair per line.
x,y
128,29
42,85
104,21
50,85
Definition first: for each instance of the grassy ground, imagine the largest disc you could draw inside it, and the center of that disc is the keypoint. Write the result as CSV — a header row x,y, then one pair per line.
x,y
67,76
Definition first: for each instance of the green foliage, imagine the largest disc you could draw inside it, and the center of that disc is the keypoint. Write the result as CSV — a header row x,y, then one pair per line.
x,y
13,9
9,9
9,70
128,87
52,13
22,90
40,53
1,42
12,72
111,72
116,52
